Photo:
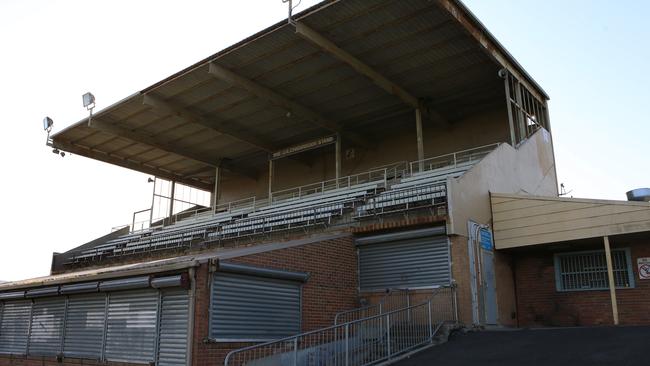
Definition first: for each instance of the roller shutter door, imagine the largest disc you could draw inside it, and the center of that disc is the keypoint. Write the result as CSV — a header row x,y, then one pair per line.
x,y
253,308
131,326
174,319
46,332
411,259
84,329
15,327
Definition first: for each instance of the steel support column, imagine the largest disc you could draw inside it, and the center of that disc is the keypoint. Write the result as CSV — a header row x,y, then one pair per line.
x,y
511,122
420,140
217,188
610,276
337,156
171,200
271,173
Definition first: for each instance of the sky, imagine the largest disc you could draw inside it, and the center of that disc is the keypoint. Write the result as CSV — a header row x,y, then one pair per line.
x,y
590,56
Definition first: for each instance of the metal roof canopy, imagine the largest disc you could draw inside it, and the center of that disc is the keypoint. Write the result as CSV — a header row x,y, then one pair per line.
x,y
344,65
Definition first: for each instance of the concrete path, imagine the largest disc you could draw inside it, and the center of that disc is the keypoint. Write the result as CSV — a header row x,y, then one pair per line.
x,y
618,346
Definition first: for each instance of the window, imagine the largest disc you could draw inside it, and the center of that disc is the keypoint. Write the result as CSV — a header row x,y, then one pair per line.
x,y
588,270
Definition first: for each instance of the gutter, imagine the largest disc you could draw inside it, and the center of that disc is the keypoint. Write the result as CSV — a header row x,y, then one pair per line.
x,y
108,274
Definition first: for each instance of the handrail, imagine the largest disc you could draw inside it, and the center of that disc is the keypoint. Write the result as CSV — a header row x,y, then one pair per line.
x,y
363,341
331,184
385,304
454,157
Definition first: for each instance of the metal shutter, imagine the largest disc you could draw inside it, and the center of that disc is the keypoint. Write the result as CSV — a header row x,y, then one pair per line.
x,y
174,319
419,261
46,331
84,328
15,326
131,326
253,308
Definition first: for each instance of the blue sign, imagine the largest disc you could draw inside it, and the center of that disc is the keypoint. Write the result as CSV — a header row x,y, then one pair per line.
x,y
486,239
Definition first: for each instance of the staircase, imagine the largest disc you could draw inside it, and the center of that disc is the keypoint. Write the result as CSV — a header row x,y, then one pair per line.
x,y
366,341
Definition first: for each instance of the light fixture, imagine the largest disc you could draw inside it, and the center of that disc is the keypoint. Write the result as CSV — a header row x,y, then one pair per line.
x,y
89,100
89,103
150,180
47,124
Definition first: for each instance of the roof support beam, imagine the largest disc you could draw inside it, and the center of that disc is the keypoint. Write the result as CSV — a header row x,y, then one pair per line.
x,y
359,66
126,163
142,138
116,130
275,98
179,111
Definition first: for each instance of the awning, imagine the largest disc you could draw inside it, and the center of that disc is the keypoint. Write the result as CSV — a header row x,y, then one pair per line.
x,y
521,221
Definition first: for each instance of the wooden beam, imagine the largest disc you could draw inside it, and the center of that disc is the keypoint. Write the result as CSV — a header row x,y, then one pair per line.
x,y
143,138
610,276
81,150
280,100
359,66
170,108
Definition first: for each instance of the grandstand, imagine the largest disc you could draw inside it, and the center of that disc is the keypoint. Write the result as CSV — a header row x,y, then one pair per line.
x,y
322,166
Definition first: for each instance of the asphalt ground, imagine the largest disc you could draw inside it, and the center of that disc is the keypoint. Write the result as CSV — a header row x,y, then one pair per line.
x,y
530,347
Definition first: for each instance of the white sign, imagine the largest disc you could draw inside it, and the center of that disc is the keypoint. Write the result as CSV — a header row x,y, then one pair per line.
x,y
309,145
643,264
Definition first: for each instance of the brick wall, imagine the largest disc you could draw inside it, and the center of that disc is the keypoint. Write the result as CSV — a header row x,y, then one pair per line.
x,y
505,287
539,304
332,287
460,274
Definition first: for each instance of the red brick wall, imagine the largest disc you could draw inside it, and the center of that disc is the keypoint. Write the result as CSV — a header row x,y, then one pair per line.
x,y
332,287
539,304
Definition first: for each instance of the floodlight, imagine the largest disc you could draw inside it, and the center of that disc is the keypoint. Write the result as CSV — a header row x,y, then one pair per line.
x,y
89,100
47,123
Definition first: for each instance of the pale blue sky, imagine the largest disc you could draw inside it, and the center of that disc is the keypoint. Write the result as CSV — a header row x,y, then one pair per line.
x,y
590,56
592,59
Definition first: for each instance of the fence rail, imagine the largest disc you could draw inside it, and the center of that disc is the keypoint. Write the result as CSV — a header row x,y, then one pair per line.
x,y
393,299
378,175
452,160
360,342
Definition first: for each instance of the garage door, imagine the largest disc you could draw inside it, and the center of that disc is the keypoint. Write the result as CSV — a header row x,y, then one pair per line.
x,y
409,259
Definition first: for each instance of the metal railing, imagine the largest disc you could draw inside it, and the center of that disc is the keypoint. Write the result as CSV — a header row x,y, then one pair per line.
x,y
454,159
141,224
393,299
364,341
377,175
286,220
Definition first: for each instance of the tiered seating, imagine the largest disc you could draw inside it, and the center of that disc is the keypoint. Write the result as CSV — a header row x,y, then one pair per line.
x,y
393,192
286,214
420,189
298,212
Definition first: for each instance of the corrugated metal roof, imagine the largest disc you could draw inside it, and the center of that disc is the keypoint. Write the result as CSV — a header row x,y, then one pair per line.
x,y
418,44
